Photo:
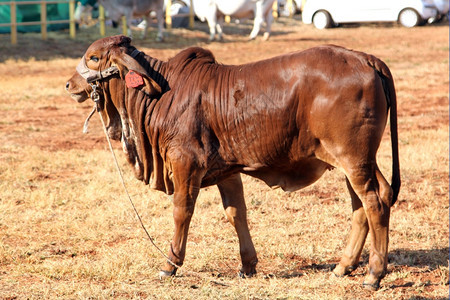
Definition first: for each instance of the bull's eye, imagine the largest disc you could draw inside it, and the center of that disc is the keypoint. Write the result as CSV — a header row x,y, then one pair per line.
x,y
94,58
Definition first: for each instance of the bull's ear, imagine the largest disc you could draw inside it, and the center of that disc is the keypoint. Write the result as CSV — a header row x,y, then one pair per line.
x,y
125,63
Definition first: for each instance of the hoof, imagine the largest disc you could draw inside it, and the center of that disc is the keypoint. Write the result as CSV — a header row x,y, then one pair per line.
x,y
372,286
341,271
372,282
246,275
166,274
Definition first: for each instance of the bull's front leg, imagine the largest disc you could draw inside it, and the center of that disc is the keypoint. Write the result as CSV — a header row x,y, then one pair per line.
x,y
186,189
232,194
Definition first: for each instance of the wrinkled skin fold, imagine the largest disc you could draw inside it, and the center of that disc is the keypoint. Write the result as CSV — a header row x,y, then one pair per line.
x,y
194,123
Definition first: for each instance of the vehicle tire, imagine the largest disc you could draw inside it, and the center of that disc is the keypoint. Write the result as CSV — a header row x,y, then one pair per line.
x,y
409,18
322,20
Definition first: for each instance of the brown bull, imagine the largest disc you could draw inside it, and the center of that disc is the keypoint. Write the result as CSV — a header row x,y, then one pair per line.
x,y
190,122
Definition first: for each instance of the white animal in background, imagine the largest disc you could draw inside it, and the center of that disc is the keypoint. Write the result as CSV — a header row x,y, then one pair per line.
x,y
213,11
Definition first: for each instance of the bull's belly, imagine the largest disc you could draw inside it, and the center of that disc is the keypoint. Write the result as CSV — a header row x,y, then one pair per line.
x,y
291,177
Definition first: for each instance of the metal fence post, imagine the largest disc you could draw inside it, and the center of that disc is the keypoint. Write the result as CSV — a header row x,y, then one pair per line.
x,y
124,25
275,9
191,15
291,8
101,19
168,16
72,29
44,20
13,23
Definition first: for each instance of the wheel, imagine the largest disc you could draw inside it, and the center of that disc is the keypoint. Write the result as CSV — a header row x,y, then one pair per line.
x,y
322,19
409,18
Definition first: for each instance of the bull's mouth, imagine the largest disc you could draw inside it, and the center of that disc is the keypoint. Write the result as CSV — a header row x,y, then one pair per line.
x,y
79,97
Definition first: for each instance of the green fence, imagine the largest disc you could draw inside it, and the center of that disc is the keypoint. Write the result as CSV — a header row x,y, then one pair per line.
x,y
36,16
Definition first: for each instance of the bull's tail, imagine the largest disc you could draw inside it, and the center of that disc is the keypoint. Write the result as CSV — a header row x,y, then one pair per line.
x,y
396,181
389,90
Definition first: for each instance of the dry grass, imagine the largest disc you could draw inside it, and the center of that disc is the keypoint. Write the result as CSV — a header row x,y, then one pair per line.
x,y
67,230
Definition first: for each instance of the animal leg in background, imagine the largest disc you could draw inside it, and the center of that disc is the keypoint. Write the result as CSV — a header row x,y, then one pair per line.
x,y
269,21
212,20
160,20
257,21
219,27
232,193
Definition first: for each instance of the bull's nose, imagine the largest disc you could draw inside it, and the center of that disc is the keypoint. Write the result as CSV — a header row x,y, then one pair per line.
x,y
67,86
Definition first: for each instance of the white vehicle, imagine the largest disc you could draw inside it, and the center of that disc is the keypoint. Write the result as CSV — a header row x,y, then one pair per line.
x,y
442,6
329,13
443,9
214,11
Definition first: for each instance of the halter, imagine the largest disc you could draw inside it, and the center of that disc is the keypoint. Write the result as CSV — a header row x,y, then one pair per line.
x,y
93,77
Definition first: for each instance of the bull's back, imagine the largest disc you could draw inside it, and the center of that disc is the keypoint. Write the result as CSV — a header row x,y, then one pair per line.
x,y
279,109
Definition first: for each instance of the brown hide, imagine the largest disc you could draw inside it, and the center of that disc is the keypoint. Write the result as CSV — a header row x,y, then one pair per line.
x,y
285,120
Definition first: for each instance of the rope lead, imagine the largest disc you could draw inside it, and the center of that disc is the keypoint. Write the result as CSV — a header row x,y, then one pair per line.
x,y
96,98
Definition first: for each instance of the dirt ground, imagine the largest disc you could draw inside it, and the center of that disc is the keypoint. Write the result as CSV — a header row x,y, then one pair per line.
x,y
288,36
39,122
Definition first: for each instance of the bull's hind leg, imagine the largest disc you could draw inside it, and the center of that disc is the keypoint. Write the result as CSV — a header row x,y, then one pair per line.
x,y
375,194
232,194
358,234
